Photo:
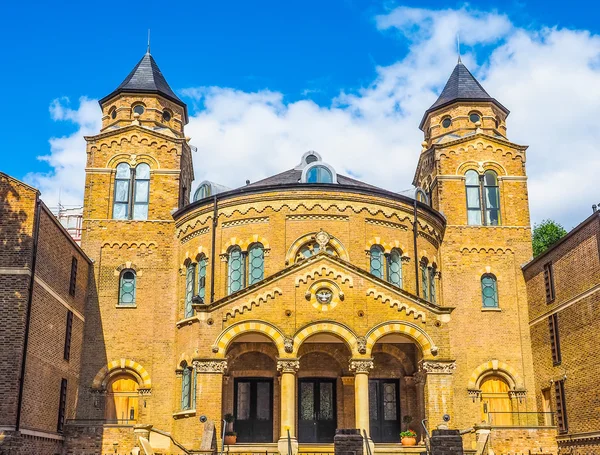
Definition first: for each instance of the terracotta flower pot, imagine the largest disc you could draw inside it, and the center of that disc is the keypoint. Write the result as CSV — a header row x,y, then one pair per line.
x,y
230,440
409,441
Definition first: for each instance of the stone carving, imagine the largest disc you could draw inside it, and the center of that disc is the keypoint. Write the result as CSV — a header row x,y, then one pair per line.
x,y
474,394
432,367
210,366
361,345
214,348
145,391
288,365
322,238
288,345
518,393
420,377
361,365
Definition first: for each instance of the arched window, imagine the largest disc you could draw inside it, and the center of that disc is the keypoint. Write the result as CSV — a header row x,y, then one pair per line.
x,y
483,198
131,201
202,263
496,403
202,192
127,288
312,248
235,279
489,291
492,198
256,263
432,287
377,261
395,267
141,192
188,388
319,174
473,198
424,279
190,273
121,205
121,400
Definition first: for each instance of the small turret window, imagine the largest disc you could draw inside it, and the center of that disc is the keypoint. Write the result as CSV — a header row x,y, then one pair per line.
x,y
166,116
319,174
446,122
113,113
202,192
138,109
474,117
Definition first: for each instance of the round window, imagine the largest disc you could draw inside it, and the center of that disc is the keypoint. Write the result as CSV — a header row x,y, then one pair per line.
x,y
324,296
446,122
113,114
166,116
474,117
138,109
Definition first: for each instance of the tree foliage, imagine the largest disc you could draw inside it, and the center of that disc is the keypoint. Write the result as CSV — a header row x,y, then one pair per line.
x,y
545,234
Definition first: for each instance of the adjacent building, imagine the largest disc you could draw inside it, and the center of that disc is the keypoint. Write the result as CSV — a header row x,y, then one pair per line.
x,y
563,286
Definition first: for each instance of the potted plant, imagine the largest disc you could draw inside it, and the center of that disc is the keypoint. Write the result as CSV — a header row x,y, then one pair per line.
x,y
230,435
409,438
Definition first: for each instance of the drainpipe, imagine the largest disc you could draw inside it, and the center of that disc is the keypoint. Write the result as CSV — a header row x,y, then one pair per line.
x,y
36,232
213,250
415,232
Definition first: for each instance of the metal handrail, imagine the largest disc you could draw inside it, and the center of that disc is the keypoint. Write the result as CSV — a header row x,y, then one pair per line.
x,y
289,442
367,442
427,433
223,437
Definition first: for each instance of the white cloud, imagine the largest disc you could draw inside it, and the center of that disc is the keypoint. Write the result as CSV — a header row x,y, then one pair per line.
x,y
549,78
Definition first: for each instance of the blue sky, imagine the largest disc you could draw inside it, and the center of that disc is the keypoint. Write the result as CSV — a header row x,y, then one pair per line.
x,y
286,62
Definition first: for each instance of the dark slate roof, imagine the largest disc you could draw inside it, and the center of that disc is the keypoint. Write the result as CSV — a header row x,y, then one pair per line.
x,y
146,77
461,86
294,175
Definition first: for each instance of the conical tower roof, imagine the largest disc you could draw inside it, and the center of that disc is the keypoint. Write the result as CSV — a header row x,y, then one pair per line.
x,y
146,77
461,86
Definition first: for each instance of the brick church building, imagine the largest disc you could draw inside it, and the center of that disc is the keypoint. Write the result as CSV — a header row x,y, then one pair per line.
x,y
304,302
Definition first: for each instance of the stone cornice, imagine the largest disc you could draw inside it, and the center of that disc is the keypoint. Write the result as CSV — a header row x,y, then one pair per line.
x,y
437,366
210,365
126,129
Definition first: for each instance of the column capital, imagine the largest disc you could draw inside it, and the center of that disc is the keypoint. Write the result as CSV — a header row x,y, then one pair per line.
x,y
361,365
288,365
210,365
437,366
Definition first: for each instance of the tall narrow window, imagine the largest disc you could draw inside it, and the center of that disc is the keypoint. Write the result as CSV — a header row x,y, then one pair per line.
x,y
549,282
555,339
73,280
189,289
377,261
186,387
68,333
256,263
127,287
432,288
202,277
395,268
235,279
141,192
492,198
62,406
121,205
561,406
473,198
489,291
424,279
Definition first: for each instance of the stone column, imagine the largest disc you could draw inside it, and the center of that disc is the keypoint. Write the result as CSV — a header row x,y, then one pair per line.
x,y
288,369
361,369
210,401
439,389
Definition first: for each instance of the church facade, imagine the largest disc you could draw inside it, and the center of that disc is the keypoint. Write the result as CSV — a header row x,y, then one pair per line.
x,y
307,301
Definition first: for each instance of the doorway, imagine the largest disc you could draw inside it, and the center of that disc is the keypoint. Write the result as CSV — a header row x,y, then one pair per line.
x,y
384,410
253,409
317,410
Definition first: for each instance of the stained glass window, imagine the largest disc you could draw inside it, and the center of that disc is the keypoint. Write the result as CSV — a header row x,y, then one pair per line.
x,y
492,198
186,382
432,289
389,401
189,290
202,276
311,248
373,403
395,268
473,198
326,400
256,262
377,261
307,400
489,291
121,201
424,279
127,288
236,270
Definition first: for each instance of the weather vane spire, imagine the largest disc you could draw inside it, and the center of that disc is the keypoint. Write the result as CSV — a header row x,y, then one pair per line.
x,y
148,50
458,46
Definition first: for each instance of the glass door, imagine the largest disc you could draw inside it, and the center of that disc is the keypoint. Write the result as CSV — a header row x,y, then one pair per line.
x,y
253,410
316,410
384,410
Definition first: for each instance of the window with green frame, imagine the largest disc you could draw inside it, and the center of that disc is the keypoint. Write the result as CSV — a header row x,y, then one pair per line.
x,y
394,272
188,387
489,291
127,286
235,278
432,284
256,263
202,264
376,261
189,289
424,279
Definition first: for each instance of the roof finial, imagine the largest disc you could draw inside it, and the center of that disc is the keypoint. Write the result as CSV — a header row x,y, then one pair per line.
x,y
148,51
458,46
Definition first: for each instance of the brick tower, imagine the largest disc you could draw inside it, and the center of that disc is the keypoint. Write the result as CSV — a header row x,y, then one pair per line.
x,y
139,171
473,174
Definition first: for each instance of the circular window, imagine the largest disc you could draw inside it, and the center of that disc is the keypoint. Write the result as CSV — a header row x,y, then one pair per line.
x,y
311,158
446,122
166,116
324,296
474,117
113,113
138,109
